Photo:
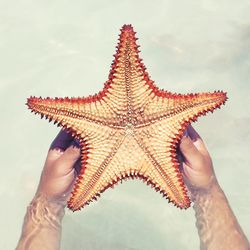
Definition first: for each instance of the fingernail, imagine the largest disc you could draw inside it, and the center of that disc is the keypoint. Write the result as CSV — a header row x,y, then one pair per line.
x,y
60,150
62,140
75,143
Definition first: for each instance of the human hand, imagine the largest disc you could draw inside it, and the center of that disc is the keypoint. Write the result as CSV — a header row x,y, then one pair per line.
x,y
197,165
60,169
42,222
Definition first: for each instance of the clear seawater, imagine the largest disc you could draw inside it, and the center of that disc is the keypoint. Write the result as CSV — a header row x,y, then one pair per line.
x,y
64,48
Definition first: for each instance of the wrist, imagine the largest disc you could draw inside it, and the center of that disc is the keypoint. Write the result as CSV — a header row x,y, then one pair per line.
x,y
45,210
42,224
201,193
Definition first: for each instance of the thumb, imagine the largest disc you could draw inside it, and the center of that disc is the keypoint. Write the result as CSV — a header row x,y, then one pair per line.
x,y
190,153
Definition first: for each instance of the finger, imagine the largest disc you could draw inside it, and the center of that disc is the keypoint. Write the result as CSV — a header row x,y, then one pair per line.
x,y
58,146
78,166
75,143
65,164
188,174
197,140
62,140
53,155
189,151
56,153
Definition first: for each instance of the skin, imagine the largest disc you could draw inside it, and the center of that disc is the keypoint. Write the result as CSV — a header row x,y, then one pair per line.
x,y
217,226
196,162
61,168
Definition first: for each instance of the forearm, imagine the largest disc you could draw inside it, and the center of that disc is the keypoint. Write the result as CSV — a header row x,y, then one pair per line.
x,y
42,225
217,226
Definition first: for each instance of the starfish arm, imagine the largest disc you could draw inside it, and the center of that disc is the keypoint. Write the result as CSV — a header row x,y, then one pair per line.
x,y
74,112
128,76
137,159
96,175
159,142
125,157
186,107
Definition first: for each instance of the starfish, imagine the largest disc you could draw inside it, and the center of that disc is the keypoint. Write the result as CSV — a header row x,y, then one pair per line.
x,y
130,129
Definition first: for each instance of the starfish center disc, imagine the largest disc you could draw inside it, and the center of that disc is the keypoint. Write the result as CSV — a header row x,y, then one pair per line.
x,y
130,129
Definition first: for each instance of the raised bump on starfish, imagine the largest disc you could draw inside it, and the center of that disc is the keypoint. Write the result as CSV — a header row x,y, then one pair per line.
x,y
130,129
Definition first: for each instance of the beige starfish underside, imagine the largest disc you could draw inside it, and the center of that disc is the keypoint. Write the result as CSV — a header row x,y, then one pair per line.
x,y
131,129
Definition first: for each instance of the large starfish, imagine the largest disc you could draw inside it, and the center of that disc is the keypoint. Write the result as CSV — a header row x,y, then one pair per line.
x,y
131,129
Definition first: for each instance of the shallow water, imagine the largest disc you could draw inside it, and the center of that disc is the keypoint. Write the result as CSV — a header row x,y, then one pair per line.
x,y
65,49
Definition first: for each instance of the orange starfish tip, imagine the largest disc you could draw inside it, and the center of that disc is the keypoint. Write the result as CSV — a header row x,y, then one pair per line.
x,y
127,27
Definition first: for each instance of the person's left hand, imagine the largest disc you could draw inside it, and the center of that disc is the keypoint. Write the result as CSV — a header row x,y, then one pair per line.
x,y
59,172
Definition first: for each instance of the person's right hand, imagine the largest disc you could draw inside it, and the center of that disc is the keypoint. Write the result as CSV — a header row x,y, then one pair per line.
x,y
197,164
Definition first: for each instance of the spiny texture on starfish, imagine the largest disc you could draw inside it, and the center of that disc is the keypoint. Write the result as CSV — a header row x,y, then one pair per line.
x,y
131,129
